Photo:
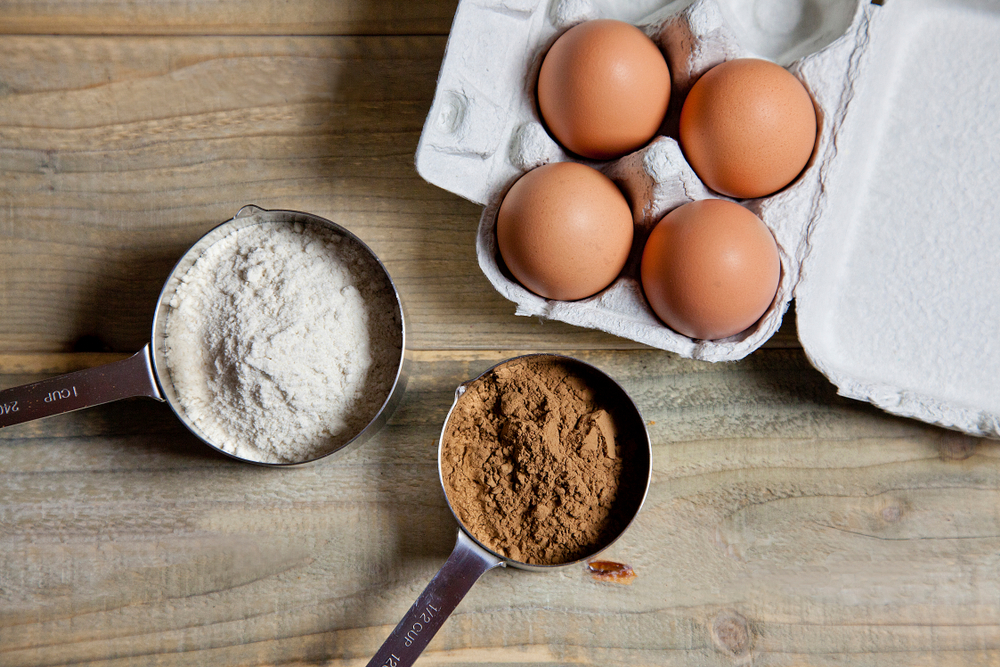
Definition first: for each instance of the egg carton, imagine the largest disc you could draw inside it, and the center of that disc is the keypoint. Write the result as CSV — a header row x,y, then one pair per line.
x,y
886,240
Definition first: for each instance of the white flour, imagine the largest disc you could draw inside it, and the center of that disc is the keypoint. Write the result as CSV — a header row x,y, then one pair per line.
x,y
282,341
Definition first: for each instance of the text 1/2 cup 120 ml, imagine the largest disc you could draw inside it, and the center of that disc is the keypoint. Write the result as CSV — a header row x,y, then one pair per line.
x,y
565,457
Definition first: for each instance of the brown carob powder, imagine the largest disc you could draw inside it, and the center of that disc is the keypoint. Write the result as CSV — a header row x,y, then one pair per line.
x,y
538,462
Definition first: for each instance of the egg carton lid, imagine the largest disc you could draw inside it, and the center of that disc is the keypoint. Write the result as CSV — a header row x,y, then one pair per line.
x,y
898,300
886,240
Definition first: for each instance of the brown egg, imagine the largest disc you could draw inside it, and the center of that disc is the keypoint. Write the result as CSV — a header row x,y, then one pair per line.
x,y
564,230
747,128
603,89
710,269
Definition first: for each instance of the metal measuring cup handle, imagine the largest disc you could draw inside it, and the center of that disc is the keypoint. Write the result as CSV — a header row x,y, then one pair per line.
x,y
466,564
128,378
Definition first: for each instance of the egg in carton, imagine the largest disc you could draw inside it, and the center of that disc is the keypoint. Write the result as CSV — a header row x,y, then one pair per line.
x,y
886,238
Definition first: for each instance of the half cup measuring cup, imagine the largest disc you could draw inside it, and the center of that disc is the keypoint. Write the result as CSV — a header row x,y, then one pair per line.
x,y
470,559
146,373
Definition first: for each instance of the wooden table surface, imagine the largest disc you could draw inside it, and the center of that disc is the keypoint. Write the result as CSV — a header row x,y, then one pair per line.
x,y
784,525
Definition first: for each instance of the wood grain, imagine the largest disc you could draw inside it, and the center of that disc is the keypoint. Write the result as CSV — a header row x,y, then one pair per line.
x,y
784,526
241,17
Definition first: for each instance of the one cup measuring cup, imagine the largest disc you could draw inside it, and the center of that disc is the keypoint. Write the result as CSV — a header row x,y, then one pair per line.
x,y
153,372
596,441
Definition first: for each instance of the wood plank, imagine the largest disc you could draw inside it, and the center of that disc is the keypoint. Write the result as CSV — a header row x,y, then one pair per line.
x,y
246,17
784,526
118,153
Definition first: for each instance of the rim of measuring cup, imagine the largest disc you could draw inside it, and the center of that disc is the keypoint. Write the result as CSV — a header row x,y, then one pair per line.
x,y
248,216
636,413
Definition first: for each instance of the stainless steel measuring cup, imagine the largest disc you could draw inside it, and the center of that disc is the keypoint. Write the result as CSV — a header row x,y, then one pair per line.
x,y
471,559
145,374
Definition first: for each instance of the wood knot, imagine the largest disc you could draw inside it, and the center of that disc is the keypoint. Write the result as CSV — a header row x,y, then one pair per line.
x,y
891,514
731,632
955,446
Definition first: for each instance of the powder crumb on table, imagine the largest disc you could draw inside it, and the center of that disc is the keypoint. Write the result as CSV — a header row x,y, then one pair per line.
x,y
283,341
611,572
534,463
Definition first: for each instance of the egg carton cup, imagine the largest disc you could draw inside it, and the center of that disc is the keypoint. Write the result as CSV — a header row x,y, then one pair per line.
x,y
888,238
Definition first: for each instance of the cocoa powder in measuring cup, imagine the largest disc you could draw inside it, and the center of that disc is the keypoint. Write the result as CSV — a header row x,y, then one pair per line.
x,y
536,460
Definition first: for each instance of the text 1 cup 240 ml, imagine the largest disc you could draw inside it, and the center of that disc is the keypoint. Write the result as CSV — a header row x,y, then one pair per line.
x,y
545,461
268,254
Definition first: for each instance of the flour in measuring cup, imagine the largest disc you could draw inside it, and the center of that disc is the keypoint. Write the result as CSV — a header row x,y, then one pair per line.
x,y
283,341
